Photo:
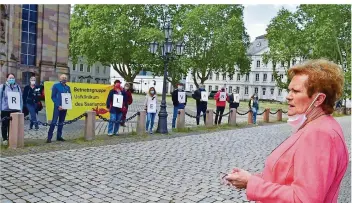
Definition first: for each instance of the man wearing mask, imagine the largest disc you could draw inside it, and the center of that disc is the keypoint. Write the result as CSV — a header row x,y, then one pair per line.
x,y
31,98
175,100
59,113
200,103
220,97
128,92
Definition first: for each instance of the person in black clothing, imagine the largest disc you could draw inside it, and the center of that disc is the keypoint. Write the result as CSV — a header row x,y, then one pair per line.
x,y
177,105
234,100
31,97
201,105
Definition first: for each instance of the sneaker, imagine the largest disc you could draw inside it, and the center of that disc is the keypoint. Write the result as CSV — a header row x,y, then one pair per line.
x,y
110,134
151,132
5,142
61,139
48,141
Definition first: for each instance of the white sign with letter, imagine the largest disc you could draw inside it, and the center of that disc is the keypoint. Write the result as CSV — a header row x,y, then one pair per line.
x,y
182,97
118,100
236,98
204,96
152,106
66,102
13,99
222,96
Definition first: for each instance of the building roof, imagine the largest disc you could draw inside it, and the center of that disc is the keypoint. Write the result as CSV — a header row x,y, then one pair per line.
x,y
259,44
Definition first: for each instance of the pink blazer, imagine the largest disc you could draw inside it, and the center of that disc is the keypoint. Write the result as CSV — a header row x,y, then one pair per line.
x,y
307,167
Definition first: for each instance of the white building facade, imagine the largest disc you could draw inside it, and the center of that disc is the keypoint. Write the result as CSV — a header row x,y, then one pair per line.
x,y
259,80
94,74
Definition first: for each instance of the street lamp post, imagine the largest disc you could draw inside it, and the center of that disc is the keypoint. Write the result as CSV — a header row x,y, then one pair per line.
x,y
167,50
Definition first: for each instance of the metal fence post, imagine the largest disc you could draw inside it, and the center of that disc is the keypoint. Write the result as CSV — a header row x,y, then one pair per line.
x,y
16,135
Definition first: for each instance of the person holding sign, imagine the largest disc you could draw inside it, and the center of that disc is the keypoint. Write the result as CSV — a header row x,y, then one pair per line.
x,y
31,94
115,102
220,97
234,100
179,100
150,104
11,101
254,106
61,96
201,97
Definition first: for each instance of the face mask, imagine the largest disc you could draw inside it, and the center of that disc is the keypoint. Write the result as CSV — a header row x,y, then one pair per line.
x,y
179,87
152,92
126,88
63,81
297,120
11,81
32,82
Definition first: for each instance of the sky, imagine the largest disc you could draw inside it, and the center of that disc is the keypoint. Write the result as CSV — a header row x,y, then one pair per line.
x,y
257,17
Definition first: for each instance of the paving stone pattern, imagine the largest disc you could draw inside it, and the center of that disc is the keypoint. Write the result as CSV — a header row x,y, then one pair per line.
x,y
184,169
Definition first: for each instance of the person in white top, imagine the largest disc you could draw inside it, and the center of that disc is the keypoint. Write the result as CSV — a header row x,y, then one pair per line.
x,y
150,104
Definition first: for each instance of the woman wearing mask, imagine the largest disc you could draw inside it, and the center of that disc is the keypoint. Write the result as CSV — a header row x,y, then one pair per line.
x,y
6,90
150,104
31,94
254,106
115,112
308,166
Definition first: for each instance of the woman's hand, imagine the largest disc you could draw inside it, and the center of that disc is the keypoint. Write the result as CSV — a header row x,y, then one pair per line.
x,y
238,178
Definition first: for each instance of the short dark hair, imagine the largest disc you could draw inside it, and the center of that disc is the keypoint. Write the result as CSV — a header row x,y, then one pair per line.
x,y
117,81
7,76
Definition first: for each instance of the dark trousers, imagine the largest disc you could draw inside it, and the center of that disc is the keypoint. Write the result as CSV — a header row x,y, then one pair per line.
x,y
5,126
124,114
61,115
219,111
33,114
203,109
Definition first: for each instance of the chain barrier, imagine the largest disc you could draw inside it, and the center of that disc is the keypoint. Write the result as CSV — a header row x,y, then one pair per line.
x,y
225,114
243,114
261,113
273,113
284,111
190,115
6,118
228,113
118,121
58,124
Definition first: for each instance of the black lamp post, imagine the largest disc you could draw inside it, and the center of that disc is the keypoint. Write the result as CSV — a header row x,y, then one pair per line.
x,y
167,54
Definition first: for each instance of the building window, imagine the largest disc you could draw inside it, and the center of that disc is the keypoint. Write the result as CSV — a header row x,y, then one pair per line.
x,y
258,63
97,69
217,76
293,61
279,93
88,80
238,77
247,77
191,87
224,76
81,67
257,77
81,80
272,91
210,75
230,89
88,69
29,34
216,88
264,89
104,71
265,76
272,78
256,90
74,67
231,77
282,64
210,88
238,90
281,76
246,90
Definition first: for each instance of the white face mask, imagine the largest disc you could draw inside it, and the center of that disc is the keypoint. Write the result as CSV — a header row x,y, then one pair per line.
x,y
297,120
32,82
179,87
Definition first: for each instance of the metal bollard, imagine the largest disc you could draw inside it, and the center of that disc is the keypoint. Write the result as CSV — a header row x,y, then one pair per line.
x,y
180,119
89,128
141,123
209,122
279,115
232,117
16,135
266,115
250,117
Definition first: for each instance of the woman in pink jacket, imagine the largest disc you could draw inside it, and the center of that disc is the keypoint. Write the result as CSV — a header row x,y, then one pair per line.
x,y
307,167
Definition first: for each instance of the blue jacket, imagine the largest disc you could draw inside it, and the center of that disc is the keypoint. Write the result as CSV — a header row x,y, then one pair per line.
x,y
109,101
4,106
56,91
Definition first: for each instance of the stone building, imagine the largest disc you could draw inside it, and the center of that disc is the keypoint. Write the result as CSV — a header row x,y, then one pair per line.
x,y
34,39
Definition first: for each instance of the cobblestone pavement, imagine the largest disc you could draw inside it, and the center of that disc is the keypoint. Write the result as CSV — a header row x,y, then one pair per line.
x,y
184,169
76,129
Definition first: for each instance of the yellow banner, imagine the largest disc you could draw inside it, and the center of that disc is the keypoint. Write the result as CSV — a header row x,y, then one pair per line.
x,y
84,97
